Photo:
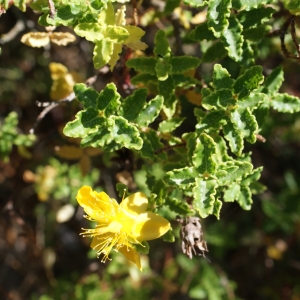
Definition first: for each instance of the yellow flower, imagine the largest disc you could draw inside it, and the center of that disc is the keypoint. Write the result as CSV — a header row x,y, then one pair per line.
x,y
121,226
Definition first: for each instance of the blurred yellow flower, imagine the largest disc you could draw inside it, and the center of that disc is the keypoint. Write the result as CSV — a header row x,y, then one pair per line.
x,y
120,226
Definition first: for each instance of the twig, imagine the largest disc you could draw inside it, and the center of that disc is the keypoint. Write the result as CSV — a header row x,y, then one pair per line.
x,y
52,10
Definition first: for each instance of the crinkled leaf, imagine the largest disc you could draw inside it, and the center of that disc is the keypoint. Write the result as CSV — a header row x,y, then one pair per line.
x,y
232,192
233,39
116,34
170,125
221,78
102,53
245,198
252,101
215,52
85,122
201,32
109,99
203,158
182,64
257,33
248,82
163,68
162,48
166,89
245,122
285,103
133,40
204,196
36,39
212,121
220,99
184,177
217,208
178,206
125,134
91,31
87,96
293,6
133,104
217,14
249,4
150,111
234,137
273,81
171,5
151,143
255,17
143,64
236,170
252,177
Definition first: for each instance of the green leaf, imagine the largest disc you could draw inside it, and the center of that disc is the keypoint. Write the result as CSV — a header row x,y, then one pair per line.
x,y
91,31
195,3
248,82
232,193
220,99
234,137
178,206
85,122
221,78
109,100
125,134
212,121
285,103
183,178
166,89
273,81
133,104
116,34
215,52
144,78
170,125
163,68
245,198
255,17
217,14
235,170
245,122
203,158
151,143
204,196
150,111
217,208
201,32
162,48
87,96
182,64
253,176
293,6
169,237
102,53
143,64
233,39
257,33
249,4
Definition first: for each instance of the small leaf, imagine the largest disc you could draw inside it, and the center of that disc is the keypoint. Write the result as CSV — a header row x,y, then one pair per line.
x,y
245,198
273,81
248,5
248,82
245,122
234,137
133,104
195,3
220,99
102,53
170,125
201,32
166,89
233,39
62,38
215,52
217,14
91,31
204,196
143,64
203,158
178,206
87,96
109,99
182,64
221,78
163,68
36,39
183,178
150,111
232,193
212,121
285,103
162,48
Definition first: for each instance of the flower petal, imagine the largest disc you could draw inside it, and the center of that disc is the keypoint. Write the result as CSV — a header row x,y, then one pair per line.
x,y
135,203
97,205
131,254
149,226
